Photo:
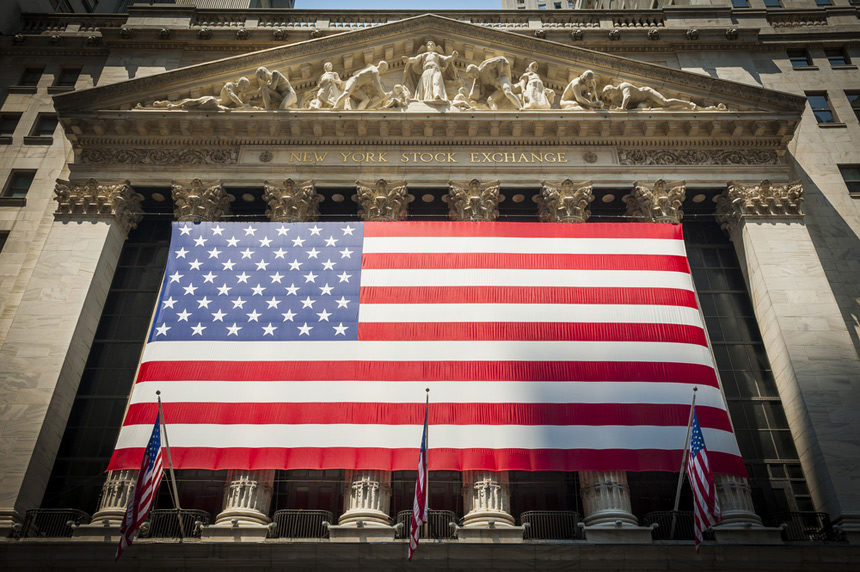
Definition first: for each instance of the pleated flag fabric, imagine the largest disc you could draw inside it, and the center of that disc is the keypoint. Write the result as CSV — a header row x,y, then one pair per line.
x,y
546,347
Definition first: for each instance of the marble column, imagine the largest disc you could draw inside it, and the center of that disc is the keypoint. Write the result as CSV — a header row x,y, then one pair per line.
x,y
487,499
735,497
606,498
116,490
366,498
292,202
657,202
247,497
197,201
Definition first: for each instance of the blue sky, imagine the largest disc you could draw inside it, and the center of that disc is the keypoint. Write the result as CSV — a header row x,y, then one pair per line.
x,y
401,5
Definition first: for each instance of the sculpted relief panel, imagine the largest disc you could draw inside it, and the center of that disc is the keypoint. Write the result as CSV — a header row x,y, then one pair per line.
x,y
431,80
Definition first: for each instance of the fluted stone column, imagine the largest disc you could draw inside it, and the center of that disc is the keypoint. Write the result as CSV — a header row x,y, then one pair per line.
x,y
198,201
606,498
657,202
247,497
487,499
736,506
117,489
366,499
292,202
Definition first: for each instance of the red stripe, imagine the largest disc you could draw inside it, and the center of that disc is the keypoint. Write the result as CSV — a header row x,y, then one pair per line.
x,y
526,261
442,414
525,229
530,331
535,295
440,459
427,371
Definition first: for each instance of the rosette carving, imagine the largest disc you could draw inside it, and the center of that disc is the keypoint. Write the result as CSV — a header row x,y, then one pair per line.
x,y
473,200
564,201
660,202
763,200
89,199
382,200
291,201
198,201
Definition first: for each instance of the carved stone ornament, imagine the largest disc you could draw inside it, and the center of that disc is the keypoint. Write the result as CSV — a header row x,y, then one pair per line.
x,y
697,157
653,34
577,35
425,74
382,200
198,201
292,202
564,201
88,199
161,156
692,34
615,34
473,200
761,201
660,202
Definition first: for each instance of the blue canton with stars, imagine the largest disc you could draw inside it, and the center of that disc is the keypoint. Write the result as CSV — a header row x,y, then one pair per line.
x,y
261,281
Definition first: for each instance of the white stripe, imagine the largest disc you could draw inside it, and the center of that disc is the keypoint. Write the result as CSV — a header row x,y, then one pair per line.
x,y
427,351
522,245
602,313
420,277
624,392
444,436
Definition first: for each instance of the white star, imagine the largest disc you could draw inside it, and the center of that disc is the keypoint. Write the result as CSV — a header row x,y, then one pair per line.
x,y
331,241
176,276
262,265
296,265
308,303
203,302
288,316
273,303
252,317
305,329
243,278
292,289
347,230
265,241
195,264
200,241
247,253
258,290
184,230
183,315
218,316
298,241
190,289
217,229
340,329
328,265
310,277
269,330
209,277
315,230
280,253
326,289
323,315
344,277
228,265
239,303
313,253
346,253
342,303
214,253
250,230
181,252
168,303
162,330
282,230
276,277
233,330
224,290
233,241
198,329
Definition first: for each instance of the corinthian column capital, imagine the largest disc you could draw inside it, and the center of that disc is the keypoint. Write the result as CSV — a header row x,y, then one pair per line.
x,y
197,201
759,201
564,201
291,201
88,199
473,200
382,200
660,202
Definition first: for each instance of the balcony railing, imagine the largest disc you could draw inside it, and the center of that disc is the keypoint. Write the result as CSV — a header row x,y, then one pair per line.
x,y
550,525
164,523
298,523
52,522
806,526
439,522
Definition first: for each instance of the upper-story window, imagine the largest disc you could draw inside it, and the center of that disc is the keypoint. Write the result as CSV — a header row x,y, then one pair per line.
x,y
851,176
18,184
45,125
31,77
854,100
823,2
740,4
67,77
799,57
820,104
837,57
773,3
8,123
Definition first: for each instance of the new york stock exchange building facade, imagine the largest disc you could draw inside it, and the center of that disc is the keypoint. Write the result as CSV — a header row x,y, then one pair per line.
x,y
294,116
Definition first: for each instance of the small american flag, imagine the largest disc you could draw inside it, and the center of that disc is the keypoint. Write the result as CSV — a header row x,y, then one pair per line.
x,y
706,507
148,480
421,503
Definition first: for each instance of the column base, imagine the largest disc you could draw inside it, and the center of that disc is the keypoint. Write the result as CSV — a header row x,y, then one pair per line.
x,y
360,531
849,525
747,534
617,533
234,531
10,523
490,533
488,519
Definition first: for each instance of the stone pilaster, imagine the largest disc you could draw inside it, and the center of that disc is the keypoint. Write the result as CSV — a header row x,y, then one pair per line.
x,y
292,202
762,201
89,200
473,200
658,202
382,200
564,201
247,497
197,201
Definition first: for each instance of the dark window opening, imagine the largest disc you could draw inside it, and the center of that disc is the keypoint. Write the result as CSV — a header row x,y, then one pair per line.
x,y
31,76
854,101
740,4
772,3
799,58
837,56
851,176
67,77
4,236
18,184
45,125
8,123
820,105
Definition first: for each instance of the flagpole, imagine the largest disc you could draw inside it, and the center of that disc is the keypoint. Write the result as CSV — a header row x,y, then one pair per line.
x,y
170,465
427,460
683,465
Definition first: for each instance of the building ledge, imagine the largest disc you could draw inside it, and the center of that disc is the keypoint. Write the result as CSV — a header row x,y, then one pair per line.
x,y
13,202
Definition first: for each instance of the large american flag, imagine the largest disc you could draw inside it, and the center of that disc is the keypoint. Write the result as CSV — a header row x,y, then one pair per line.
x,y
706,506
309,345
